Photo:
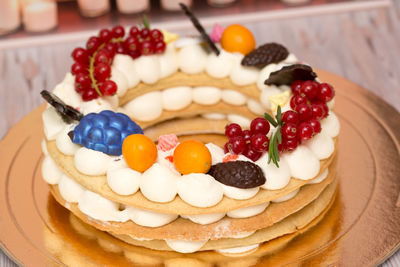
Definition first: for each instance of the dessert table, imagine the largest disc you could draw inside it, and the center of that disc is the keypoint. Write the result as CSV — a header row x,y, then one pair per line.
x,y
362,46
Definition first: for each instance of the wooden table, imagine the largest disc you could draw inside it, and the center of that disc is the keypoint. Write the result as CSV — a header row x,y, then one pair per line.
x,y
362,46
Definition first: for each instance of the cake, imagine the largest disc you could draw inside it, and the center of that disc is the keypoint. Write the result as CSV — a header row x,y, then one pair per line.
x,y
191,144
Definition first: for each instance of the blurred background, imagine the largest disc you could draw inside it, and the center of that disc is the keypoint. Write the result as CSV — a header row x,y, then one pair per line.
x,y
356,39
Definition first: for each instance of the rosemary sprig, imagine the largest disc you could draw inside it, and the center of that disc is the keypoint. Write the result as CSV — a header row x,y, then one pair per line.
x,y
146,22
276,138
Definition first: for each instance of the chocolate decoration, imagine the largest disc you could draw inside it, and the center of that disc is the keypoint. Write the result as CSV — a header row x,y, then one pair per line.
x,y
67,113
289,74
240,174
200,29
265,54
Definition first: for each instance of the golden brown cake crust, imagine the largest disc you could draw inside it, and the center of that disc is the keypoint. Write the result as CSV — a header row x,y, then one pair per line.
x,y
193,231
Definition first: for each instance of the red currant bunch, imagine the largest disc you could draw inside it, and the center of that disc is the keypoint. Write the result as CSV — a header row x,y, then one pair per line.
x,y
144,42
92,65
309,106
250,143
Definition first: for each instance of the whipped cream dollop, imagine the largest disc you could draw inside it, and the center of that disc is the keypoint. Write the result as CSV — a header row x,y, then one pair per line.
x,y
123,181
91,162
320,177
248,212
286,197
236,250
183,246
200,190
159,184
204,218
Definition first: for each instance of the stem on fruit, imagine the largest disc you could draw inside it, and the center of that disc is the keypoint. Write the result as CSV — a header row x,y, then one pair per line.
x,y
91,71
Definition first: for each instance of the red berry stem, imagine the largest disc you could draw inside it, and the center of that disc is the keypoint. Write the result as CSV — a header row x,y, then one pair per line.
x,y
91,70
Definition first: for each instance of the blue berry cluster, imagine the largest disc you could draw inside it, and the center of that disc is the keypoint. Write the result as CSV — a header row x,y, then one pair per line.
x,y
105,131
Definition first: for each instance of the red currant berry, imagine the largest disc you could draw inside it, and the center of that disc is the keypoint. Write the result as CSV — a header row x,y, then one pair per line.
x,y
118,31
237,145
226,147
159,47
232,130
105,35
111,49
156,35
251,154
82,82
289,130
290,116
80,55
92,44
102,72
325,108
134,54
317,111
247,136
316,126
309,89
132,44
304,111
290,144
280,147
144,33
259,125
108,88
297,100
134,31
120,49
103,56
146,48
78,68
89,94
326,92
259,142
295,86
304,131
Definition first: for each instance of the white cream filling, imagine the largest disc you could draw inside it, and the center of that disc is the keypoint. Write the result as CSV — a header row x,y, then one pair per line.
x,y
236,250
70,190
176,98
146,107
320,177
159,184
50,171
206,95
303,163
123,181
233,97
199,190
183,246
243,234
52,123
247,212
286,197
192,59
204,218
64,143
91,162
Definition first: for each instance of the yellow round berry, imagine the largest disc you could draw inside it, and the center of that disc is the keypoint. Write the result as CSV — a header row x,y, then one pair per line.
x,y
139,152
237,38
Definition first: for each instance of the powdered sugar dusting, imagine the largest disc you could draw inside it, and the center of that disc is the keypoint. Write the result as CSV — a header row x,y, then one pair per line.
x,y
222,229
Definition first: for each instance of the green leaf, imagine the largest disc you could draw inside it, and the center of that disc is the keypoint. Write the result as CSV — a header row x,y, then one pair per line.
x,y
146,22
270,119
279,115
278,132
